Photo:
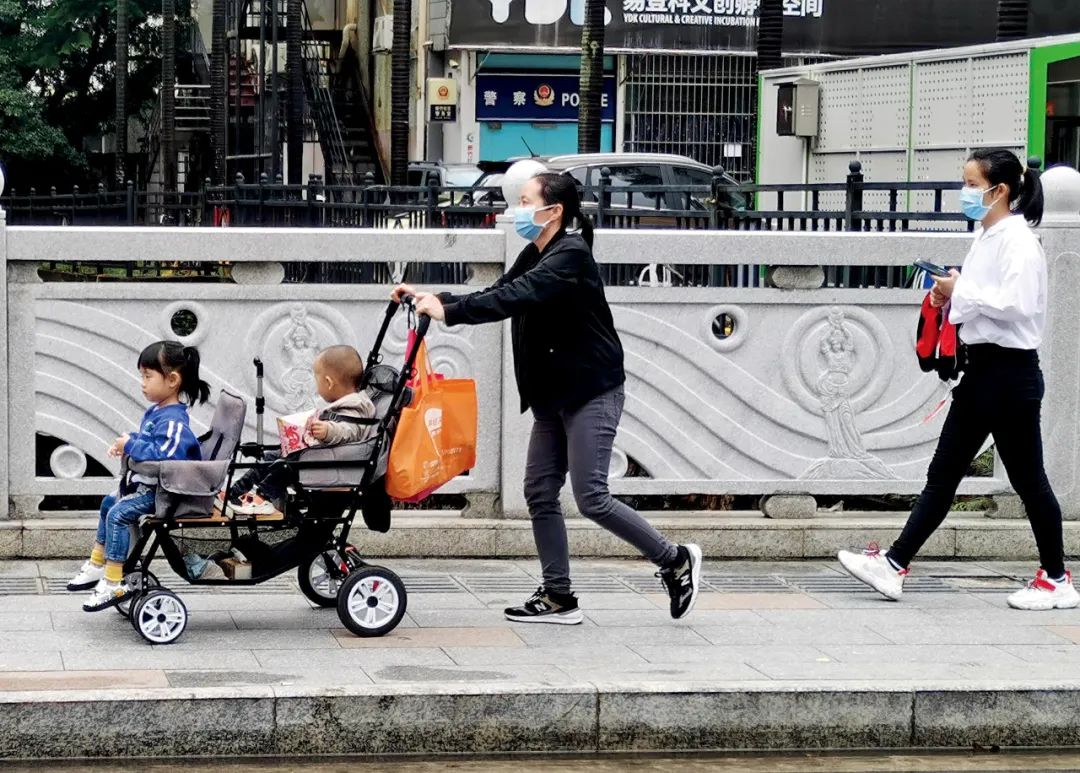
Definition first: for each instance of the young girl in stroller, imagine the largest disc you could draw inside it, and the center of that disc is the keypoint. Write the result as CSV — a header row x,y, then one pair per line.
x,y
170,381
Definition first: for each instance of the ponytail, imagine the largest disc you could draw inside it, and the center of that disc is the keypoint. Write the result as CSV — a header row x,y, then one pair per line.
x,y
173,357
1030,204
586,229
1001,166
191,386
562,189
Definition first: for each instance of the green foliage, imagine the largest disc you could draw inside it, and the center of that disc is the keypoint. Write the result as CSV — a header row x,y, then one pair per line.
x,y
58,81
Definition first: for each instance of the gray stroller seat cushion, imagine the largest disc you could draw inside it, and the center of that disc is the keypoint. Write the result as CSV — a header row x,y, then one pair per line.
x,y
184,488
336,477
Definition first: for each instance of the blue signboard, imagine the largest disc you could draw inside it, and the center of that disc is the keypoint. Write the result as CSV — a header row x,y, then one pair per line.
x,y
535,98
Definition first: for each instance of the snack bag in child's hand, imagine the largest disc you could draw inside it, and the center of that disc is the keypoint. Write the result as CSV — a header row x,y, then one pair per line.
x,y
294,431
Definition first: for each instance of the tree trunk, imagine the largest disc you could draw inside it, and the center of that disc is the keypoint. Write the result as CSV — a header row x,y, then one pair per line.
x,y
770,41
591,85
218,93
294,62
168,93
121,124
1012,19
399,93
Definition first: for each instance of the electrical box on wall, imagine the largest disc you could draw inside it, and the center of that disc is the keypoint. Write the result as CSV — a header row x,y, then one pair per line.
x,y
797,106
382,41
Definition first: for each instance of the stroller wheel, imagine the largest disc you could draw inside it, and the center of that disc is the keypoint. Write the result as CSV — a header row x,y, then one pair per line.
x,y
372,601
320,582
159,616
135,580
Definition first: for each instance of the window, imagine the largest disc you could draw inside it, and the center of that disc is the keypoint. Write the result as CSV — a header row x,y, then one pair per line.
x,y
698,178
581,177
624,176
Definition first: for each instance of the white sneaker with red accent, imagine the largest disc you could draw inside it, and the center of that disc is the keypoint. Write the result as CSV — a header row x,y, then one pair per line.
x,y
1042,594
873,568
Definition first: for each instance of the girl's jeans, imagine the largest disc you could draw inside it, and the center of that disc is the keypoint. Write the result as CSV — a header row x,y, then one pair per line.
x,y
115,517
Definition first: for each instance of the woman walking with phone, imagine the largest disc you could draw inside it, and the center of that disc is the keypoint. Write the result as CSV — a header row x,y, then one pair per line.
x,y
1000,301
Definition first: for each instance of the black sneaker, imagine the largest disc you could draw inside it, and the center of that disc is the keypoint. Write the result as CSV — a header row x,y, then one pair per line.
x,y
546,607
682,580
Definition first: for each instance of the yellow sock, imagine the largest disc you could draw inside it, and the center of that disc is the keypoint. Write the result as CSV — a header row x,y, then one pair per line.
x,y
97,555
114,571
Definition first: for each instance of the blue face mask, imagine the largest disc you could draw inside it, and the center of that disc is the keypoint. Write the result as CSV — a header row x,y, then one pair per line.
x,y
971,203
524,224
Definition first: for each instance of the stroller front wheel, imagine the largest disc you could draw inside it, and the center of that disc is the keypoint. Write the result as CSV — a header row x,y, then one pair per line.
x,y
159,616
372,601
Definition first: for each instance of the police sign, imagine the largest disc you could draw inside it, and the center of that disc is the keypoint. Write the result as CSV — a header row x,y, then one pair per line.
x,y
536,98
442,99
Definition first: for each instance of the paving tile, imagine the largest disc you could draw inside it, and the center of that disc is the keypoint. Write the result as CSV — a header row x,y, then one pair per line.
x,y
627,600
31,660
912,600
573,655
667,673
461,600
661,616
989,615
233,602
751,601
20,569
457,618
82,680
767,633
726,654
166,658
293,619
568,635
197,638
976,655
25,621
444,675
1069,632
876,672
893,614
346,662
433,637
1065,653
947,634
110,620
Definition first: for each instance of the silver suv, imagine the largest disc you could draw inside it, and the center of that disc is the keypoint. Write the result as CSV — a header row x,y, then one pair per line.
x,y
646,169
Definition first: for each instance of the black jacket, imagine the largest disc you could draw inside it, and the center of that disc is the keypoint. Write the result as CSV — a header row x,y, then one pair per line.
x,y
566,350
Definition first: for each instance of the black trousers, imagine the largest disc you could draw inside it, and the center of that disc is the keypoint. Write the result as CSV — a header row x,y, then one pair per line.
x,y
1001,395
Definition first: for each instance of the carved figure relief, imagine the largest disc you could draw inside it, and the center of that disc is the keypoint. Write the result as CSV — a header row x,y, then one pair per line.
x,y
847,455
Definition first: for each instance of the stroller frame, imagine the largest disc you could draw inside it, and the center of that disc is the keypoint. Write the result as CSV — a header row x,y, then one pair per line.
x,y
371,600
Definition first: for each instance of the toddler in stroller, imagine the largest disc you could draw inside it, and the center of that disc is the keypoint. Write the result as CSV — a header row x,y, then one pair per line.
x,y
169,370
350,418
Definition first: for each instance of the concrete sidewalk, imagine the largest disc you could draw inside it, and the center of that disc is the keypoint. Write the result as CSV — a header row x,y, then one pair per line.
x,y
776,655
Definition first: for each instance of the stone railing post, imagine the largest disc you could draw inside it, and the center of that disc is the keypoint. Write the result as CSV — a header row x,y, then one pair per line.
x,y
1060,233
5,451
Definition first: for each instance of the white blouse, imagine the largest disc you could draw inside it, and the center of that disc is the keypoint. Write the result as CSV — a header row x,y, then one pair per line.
x,y
1000,297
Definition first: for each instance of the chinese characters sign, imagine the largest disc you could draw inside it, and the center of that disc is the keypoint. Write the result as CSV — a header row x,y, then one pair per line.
x,y
843,27
535,98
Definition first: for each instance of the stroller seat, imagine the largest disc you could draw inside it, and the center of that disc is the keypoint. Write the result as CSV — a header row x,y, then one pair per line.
x,y
355,459
187,489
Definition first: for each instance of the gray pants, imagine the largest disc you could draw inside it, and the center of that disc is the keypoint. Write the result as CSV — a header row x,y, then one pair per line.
x,y
580,441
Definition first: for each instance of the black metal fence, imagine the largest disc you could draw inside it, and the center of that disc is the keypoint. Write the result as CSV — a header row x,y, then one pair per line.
x,y
721,205
852,205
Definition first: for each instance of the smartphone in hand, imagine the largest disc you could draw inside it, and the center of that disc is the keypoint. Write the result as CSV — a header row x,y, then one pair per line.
x,y
931,268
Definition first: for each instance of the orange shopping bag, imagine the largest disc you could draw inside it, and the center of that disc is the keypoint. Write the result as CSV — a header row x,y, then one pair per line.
x,y
436,435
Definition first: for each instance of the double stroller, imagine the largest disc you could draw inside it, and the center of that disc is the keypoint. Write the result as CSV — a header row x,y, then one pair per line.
x,y
309,534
